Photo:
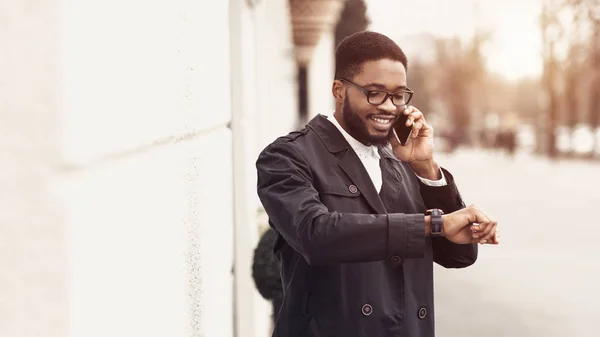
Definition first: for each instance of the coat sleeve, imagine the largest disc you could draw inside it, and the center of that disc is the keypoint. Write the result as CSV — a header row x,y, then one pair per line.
x,y
448,199
286,190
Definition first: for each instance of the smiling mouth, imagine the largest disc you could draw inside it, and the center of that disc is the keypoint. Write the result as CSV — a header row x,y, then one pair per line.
x,y
382,122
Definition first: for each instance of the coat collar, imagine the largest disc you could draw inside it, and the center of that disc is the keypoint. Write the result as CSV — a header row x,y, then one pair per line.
x,y
349,162
331,137
361,149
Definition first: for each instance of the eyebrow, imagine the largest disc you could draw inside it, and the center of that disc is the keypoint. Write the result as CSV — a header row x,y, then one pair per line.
x,y
382,87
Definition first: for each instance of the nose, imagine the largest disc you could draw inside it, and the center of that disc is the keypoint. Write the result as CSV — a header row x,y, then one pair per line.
x,y
388,106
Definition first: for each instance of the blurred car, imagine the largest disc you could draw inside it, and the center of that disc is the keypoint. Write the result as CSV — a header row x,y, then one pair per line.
x,y
578,141
526,138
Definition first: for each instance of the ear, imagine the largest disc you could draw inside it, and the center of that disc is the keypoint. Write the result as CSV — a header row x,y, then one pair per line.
x,y
339,91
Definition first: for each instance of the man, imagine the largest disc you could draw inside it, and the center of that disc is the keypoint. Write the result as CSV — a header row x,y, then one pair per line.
x,y
349,204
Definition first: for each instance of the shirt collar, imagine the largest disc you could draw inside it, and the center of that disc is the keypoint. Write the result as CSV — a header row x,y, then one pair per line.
x,y
358,147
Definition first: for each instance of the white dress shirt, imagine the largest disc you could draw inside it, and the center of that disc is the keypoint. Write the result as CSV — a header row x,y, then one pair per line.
x,y
369,156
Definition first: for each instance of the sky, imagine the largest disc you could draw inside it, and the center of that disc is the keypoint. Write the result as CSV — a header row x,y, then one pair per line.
x,y
514,51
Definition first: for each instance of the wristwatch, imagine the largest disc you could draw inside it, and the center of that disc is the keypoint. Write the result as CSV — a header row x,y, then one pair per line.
x,y
436,221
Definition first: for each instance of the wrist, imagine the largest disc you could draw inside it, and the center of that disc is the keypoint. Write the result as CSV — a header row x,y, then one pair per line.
x,y
428,169
444,222
434,223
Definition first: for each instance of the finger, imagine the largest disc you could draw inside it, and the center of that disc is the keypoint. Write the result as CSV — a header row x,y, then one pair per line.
x,y
414,117
489,228
409,109
490,218
488,233
466,232
490,242
494,240
489,236
477,229
417,128
485,232
478,216
485,235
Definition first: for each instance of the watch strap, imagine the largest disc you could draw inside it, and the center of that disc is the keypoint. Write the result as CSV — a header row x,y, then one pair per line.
x,y
436,221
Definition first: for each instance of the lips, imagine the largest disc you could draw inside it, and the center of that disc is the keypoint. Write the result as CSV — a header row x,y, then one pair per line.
x,y
382,122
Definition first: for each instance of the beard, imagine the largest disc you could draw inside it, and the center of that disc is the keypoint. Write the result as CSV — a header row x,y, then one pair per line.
x,y
358,129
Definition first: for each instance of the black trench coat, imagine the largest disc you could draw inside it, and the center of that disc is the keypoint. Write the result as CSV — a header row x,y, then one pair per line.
x,y
351,266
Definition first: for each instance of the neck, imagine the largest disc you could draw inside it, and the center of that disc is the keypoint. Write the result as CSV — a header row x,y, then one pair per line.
x,y
340,119
337,113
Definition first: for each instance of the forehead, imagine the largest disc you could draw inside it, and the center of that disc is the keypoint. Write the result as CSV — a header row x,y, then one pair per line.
x,y
389,73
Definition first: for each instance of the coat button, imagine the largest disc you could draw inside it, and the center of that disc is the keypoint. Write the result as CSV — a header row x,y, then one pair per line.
x,y
422,313
396,259
367,310
353,189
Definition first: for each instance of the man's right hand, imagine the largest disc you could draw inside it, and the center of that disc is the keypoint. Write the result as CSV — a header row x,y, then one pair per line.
x,y
470,225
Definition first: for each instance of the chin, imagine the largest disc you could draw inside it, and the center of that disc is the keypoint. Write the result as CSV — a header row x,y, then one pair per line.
x,y
378,139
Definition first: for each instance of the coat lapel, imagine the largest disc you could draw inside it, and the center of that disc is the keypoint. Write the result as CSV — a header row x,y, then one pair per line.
x,y
351,164
348,160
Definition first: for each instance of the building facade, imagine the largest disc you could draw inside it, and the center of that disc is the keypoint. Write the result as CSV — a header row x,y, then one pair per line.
x,y
130,130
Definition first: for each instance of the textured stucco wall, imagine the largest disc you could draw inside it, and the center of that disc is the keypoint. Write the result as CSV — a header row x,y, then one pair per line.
x,y
147,183
116,188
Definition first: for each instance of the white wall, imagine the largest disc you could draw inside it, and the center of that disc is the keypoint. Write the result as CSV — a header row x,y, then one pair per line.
x,y
117,203
33,265
264,108
269,91
147,182
277,71
244,105
320,76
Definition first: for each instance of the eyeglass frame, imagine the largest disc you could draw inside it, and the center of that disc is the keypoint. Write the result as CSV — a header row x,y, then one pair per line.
x,y
366,92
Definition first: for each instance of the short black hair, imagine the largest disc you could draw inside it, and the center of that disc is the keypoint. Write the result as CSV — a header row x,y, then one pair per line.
x,y
358,48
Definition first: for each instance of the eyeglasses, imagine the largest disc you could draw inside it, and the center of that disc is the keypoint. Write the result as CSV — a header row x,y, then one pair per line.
x,y
378,97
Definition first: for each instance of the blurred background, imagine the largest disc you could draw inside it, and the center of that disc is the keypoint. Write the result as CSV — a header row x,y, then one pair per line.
x,y
129,131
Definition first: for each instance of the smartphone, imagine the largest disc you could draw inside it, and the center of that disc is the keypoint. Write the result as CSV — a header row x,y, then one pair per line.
x,y
403,132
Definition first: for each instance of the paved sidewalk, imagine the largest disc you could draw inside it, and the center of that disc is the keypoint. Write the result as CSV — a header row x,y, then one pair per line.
x,y
544,278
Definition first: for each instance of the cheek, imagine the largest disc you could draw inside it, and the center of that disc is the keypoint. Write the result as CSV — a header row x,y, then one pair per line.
x,y
362,109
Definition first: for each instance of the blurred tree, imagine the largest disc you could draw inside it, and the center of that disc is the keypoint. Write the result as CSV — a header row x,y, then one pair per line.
x,y
579,72
552,32
594,95
461,76
498,94
574,74
526,99
417,79
574,69
353,19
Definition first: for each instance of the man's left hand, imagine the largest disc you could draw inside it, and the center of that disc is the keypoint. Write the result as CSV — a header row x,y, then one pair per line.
x,y
418,151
